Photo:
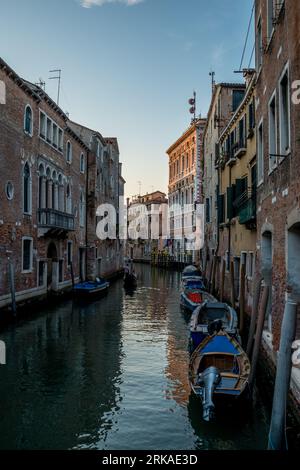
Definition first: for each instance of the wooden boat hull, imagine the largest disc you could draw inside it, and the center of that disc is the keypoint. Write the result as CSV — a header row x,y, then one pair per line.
x,y
218,367
130,281
91,289
209,312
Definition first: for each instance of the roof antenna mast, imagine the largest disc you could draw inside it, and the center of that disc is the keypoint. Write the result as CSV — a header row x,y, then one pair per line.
x,y
57,77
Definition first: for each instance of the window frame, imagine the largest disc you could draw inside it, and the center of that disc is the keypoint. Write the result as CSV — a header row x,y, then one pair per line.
x,y
260,177
286,71
29,133
271,100
27,271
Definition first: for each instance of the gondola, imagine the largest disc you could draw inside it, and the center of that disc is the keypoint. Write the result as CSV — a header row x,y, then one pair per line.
x,y
130,281
218,368
91,289
207,316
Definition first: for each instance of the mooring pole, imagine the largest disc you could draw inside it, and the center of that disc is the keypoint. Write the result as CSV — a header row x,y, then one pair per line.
x,y
254,314
258,334
242,296
12,287
72,275
277,437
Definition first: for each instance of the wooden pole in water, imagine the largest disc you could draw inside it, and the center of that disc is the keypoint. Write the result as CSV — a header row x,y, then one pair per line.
x,y
258,334
222,280
72,275
254,314
213,282
277,436
242,296
232,284
12,286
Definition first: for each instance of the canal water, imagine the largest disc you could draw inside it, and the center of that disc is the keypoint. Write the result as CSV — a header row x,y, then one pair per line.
x,y
113,375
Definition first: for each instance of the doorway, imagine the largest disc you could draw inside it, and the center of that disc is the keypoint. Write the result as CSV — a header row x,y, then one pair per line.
x,y
52,271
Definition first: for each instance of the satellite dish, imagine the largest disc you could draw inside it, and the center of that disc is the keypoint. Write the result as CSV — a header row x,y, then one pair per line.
x,y
192,110
192,101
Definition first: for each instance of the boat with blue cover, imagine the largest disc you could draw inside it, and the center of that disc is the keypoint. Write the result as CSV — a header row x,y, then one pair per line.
x,y
91,288
219,367
208,317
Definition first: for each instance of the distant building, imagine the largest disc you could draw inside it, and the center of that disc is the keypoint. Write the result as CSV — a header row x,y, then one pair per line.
x,y
225,100
185,186
149,244
105,186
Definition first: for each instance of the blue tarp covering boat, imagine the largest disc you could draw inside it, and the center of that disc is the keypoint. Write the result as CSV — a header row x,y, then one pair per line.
x,y
90,288
218,366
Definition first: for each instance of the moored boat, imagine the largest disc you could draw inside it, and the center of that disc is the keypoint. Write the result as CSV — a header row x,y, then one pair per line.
x,y
218,368
130,281
91,288
193,293
209,317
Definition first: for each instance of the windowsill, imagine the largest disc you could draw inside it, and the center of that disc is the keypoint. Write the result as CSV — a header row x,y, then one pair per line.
x,y
27,214
270,40
27,271
28,134
46,141
260,183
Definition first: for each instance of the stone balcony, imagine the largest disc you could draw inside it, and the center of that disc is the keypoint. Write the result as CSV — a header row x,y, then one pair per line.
x,y
52,222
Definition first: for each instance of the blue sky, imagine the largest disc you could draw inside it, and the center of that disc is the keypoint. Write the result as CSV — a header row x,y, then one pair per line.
x,y
128,71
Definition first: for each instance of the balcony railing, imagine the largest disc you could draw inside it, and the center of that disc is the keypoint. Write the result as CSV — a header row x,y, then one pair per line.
x,y
246,208
53,219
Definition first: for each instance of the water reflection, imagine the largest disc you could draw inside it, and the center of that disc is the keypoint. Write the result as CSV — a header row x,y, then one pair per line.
x,y
112,375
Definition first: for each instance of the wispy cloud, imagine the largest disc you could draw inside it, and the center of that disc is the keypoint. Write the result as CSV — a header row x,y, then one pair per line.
x,y
91,3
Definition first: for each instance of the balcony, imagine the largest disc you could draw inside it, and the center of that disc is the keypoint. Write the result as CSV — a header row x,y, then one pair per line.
x,y
55,223
246,209
240,149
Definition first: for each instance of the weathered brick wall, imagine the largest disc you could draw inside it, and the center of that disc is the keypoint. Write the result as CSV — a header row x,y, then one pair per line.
x,y
17,148
279,194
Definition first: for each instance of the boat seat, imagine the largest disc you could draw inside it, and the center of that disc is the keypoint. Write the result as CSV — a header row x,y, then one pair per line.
x,y
223,362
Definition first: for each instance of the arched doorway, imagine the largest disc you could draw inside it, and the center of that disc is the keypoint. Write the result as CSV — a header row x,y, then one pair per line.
x,y
52,271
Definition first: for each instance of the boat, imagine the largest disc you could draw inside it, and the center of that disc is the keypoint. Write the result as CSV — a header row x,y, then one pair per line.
x,y
219,368
130,281
209,316
190,271
193,293
91,288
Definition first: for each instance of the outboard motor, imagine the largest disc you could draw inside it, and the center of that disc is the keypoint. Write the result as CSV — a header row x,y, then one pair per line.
x,y
209,379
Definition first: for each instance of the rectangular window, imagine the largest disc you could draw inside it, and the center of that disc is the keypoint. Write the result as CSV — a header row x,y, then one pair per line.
x,y
42,125
244,259
207,210
284,113
27,255
260,154
272,133
259,46
270,18
251,116
242,133
49,131
60,140
69,253
250,265
55,135
237,98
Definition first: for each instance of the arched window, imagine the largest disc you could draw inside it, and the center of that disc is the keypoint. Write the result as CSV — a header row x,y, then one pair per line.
x,y
26,189
28,120
82,163
69,152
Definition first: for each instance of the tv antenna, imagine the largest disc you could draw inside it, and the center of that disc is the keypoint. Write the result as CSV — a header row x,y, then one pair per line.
x,y
192,103
212,75
140,187
41,84
57,77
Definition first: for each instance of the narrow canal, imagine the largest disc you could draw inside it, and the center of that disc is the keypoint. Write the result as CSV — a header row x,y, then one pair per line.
x,y
112,375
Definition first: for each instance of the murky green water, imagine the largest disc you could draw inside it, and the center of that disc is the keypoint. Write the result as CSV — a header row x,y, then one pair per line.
x,y
112,375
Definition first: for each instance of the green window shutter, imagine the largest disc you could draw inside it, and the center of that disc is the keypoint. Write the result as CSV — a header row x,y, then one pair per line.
x,y
229,203
221,208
